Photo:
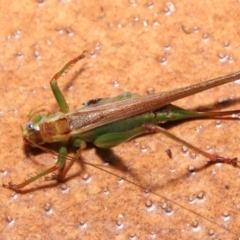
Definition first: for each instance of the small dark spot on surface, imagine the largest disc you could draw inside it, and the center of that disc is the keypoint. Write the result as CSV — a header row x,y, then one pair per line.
x,y
169,152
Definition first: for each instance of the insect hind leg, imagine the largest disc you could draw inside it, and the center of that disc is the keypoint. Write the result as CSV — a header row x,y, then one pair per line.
x,y
212,158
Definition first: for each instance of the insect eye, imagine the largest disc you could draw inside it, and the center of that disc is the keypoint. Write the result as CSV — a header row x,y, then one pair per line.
x,y
29,126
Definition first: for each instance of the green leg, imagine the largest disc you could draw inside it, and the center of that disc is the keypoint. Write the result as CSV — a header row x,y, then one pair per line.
x,y
63,171
110,140
55,89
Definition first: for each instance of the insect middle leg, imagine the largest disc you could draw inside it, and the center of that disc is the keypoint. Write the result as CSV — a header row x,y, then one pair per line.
x,y
62,161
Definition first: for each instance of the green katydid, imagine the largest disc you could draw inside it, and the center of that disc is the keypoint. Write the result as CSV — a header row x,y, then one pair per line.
x,y
111,121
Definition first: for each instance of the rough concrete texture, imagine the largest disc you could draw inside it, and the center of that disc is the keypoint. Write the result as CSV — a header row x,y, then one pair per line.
x,y
137,47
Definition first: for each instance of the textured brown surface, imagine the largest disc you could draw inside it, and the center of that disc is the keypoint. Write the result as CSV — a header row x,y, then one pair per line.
x,y
127,42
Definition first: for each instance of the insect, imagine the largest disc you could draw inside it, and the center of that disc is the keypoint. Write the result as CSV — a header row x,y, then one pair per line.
x,y
111,121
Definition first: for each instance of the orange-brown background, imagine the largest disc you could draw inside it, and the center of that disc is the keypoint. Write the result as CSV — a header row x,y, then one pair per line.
x,y
127,42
